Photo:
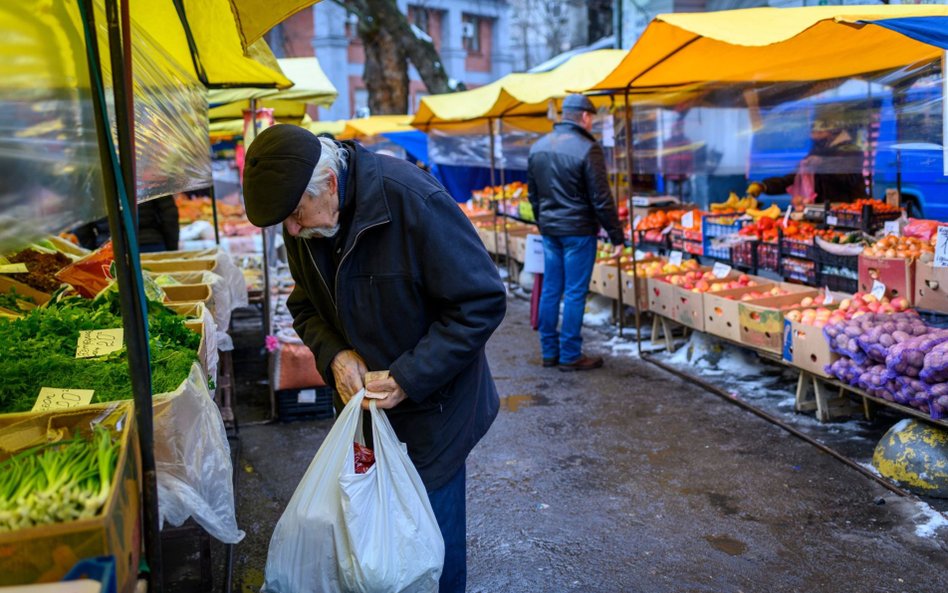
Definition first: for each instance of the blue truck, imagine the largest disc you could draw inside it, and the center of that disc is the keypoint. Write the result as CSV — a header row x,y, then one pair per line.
x,y
901,132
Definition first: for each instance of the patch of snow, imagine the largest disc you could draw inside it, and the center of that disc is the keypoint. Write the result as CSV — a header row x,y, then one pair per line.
x,y
928,521
421,34
598,311
901,425
871,468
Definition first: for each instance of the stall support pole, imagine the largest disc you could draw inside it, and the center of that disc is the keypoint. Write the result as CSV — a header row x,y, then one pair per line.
x,y
116,179
503,202
490,132
629,146
217,228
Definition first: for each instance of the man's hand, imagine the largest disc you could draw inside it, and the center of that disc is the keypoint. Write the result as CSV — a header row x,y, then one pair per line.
x,y
755,189
348,368
385,391
617,250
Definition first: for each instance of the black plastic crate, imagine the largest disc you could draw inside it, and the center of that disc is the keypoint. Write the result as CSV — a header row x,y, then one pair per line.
x,y
867,219
744,254
826,258
840,283
796,248
290,409
768,256
801,270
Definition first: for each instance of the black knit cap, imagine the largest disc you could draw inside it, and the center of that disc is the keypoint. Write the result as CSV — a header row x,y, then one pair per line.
x,y
277,169
576,102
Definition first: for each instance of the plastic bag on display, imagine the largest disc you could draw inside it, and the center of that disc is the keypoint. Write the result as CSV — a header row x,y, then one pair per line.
x,y
882,332
192,457
938,400
342,531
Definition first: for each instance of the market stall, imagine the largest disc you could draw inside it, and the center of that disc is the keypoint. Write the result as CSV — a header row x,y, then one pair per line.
x,y
95,325
858,257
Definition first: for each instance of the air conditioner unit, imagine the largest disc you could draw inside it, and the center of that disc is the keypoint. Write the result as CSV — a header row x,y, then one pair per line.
x,y
467,30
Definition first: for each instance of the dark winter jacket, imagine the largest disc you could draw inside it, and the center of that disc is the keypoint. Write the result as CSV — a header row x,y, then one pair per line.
x,y
415,293
158,223
568,185
837,177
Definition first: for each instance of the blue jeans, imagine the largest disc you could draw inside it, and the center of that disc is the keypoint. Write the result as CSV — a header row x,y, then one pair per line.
x,y
567,267
449,507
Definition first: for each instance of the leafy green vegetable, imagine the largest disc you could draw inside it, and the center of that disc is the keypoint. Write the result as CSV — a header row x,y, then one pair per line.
x,y
38,350
13,301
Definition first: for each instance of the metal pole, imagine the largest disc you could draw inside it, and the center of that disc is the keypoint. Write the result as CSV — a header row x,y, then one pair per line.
x,y
490,131
217,228
125,246
629,147
503,202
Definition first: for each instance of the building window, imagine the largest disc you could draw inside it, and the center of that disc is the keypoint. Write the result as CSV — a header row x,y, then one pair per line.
x,y
420,18
471,33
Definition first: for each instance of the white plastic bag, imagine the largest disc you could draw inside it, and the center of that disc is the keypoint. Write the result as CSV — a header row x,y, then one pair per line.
x,y
368,533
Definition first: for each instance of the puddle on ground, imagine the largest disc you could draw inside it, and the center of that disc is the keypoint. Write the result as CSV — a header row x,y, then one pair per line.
x,y
512,403
726,544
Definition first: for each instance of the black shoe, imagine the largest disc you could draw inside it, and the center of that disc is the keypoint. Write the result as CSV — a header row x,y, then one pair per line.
x,y
585,363
550,362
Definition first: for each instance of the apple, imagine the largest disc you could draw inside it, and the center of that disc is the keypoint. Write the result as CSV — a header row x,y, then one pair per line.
x,y
806,302
793,316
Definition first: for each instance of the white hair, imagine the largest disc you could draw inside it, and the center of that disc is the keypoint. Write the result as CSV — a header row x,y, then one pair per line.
x,y
332,158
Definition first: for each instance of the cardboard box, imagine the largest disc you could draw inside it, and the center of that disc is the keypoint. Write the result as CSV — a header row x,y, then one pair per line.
x,y
689,308
161,266
47,552
897,274
761,322
628,282
8,282
605,280
806,348
661,296
188,293
721,314
931,287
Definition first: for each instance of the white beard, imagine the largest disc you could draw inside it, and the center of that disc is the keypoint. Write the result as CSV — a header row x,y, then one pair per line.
x,y
318,233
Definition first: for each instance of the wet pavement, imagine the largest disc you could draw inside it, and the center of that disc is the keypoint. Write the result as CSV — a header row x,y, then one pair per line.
x,y
625,479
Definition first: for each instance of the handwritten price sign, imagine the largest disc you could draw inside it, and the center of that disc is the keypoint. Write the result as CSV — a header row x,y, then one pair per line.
x,y
99,342
13,269
54,398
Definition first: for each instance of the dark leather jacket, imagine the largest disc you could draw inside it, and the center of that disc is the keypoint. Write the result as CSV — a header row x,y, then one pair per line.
x,y
569,187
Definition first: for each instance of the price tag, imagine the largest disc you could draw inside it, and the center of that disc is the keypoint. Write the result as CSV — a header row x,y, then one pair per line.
x,y
878,289
720,270
306,396
640,255
608,131
941,247
828,297
786,217
55,398
636,221
892,228
831,220
99,342
518,192
688,220
13,269
668,229
674,258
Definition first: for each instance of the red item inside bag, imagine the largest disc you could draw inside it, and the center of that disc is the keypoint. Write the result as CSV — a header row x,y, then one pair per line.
x,y
90,274
364,458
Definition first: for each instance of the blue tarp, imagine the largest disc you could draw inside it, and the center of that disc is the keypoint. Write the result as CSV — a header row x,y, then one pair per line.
x,y
932,30
415,144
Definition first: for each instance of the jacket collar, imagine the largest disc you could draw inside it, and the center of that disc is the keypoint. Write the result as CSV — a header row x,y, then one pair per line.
x,y
364,187
568,126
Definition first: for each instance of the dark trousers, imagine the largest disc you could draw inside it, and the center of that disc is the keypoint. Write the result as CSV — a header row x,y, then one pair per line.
x,y
449,508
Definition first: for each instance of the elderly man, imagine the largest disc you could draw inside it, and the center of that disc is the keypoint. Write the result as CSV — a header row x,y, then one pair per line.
x,y
390,275
568,187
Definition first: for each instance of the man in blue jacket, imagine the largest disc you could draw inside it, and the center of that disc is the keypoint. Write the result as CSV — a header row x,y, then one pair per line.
x,y
568,187
390,275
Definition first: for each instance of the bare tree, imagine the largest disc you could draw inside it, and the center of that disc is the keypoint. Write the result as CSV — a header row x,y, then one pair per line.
x,y
390,43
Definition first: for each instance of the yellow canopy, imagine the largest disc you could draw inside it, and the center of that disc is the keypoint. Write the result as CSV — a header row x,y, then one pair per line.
x,y
310,86
521,99
217,40
768,45
256,17
366,127
334,127
235,127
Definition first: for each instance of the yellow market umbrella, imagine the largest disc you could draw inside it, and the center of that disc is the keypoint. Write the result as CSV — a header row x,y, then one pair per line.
x,y
334,127
761,45
367,127
310,86
256,17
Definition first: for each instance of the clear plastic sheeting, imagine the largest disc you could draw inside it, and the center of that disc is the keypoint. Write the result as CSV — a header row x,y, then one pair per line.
x,y
511,148
172,149
49,153
50,175
192,456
